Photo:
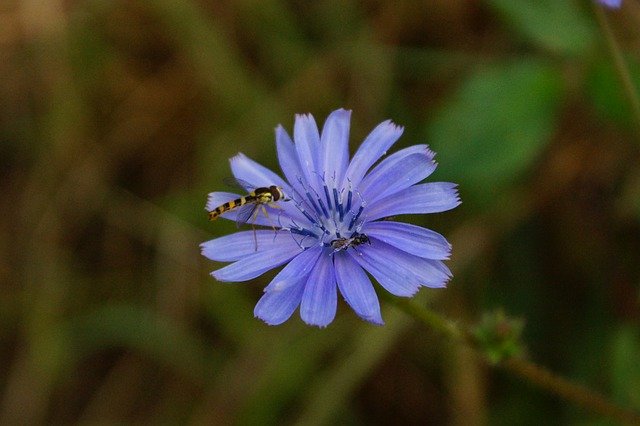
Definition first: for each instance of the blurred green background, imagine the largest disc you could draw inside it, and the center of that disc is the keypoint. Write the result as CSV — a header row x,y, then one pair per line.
x,y
118,117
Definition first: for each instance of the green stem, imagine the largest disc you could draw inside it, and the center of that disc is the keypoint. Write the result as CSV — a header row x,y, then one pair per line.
x,y
527,370
620,64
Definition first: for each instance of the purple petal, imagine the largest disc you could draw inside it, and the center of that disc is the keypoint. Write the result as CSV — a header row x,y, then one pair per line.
x,y
335,145
288,157
433,197
216,199
375,262
307,143
240,244
300,266
397,172
284,293
319,301
256,174
356,288
440,269
373,147
413,239
399,272
275,307
611,3
256,264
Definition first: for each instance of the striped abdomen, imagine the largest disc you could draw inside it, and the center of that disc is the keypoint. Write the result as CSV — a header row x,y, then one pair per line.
x,y
259,196
230,205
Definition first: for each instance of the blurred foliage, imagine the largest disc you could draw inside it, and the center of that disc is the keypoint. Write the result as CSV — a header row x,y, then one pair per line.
x,y
499,336
610,101
117,118
485,147
560,27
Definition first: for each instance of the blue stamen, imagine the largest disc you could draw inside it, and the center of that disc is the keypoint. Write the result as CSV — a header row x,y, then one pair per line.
x,y
324,210
349,196
321,226
341,210
356,217
303,231
313,204
338,204
307,215
327,196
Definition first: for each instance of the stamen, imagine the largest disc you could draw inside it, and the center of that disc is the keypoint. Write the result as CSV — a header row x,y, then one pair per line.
x,y
324,210
303,231
307,215
356,217
309,197
327,196
313,203
349,196
298,193
297,230
338,204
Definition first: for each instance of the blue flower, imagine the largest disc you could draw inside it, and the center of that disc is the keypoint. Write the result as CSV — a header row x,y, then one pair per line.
x,y
336,225
611,3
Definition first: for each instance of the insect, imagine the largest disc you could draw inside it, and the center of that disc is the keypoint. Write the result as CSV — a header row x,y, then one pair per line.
x,y
355,240
249,206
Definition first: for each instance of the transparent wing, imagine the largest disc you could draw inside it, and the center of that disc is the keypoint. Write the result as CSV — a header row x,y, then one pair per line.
x,y
245,212
239,184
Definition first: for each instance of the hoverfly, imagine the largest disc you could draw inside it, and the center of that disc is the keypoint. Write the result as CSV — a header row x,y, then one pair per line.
x,y
353,241
249,206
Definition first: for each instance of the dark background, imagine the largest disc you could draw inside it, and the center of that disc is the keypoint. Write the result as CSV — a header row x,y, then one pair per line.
x,y
118,117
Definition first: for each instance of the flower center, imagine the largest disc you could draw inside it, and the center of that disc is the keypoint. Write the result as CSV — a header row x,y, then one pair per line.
x,y
332,215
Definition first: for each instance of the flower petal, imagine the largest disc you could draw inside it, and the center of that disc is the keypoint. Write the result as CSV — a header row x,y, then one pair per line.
x,y
240,244
374,146
335,145
288,157
275,307
397,172
399,272
611,3
256,174
433,197
256,264
307,143
413,239
357,289
284,293
319,301
374,261
216,199
300,266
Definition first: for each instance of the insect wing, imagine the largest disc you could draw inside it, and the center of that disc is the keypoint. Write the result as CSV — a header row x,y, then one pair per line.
x,y
245,212
238,184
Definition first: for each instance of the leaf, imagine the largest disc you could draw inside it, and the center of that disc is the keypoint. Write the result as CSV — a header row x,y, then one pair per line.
x,y
558,26
140,330
497,124
625,363
606,92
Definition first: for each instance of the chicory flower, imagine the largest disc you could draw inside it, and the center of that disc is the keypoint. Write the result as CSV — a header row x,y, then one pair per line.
x,y
337,223
611,3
